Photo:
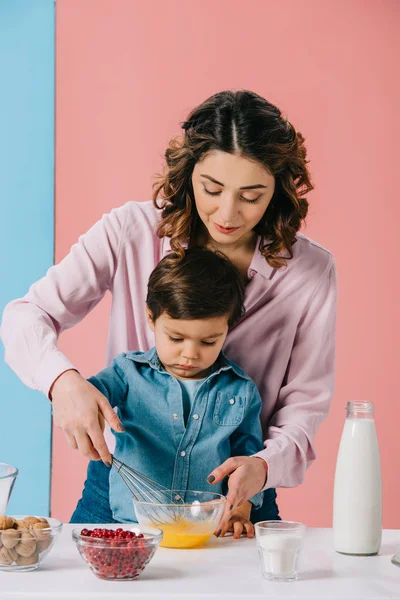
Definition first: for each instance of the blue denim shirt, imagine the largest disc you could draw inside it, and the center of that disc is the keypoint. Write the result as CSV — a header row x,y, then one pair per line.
x,y
224,421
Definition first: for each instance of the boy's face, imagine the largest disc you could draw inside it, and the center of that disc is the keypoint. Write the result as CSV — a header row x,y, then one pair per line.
x,y
188,348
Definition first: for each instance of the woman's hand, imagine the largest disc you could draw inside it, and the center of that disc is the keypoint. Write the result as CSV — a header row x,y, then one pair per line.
x,y
239,521
247,476
79,409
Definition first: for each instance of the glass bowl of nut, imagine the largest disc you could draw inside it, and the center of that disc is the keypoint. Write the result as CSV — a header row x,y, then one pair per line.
x,y
26,540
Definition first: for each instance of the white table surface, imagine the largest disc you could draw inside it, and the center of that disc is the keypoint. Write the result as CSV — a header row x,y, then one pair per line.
x,y
223,569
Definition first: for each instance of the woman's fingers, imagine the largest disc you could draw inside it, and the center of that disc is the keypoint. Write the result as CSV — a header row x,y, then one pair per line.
x,y
109,414
247,478
91,444
235,496
232,503
85,445
71,441
102,422
227,527
99,444
223,470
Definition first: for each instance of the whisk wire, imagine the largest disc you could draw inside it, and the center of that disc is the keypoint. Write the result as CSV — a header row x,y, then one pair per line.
x,y
144,489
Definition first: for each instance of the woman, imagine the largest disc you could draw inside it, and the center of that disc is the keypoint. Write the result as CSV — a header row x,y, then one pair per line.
x,y
236,182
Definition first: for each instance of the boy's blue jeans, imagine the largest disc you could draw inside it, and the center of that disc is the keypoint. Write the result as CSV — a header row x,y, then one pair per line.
x,y
94,506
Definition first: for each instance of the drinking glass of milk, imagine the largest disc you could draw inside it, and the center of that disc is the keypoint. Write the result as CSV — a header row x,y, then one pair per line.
x,y
279,544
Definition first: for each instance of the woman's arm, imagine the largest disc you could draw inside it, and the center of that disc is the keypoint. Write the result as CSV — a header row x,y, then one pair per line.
x,y
305,396
68,292
31,326
302,405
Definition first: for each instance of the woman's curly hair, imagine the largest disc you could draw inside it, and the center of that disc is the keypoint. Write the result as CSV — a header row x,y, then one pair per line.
x,y
238,123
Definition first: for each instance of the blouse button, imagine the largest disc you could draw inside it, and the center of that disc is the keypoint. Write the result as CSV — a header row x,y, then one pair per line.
x,y
252,273
232,401
195,417
175,416
183,453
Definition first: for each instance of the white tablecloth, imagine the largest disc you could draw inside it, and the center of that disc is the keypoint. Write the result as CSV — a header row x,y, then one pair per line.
x,y
223,569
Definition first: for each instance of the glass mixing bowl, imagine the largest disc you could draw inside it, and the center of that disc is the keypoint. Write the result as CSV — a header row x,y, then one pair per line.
x,y
189,522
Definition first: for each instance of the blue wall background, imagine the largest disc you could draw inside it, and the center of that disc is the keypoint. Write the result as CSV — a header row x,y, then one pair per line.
x,y
27,30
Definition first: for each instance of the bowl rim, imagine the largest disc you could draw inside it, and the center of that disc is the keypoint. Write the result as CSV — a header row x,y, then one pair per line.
x,y
14,474
154,534
54,527
218,501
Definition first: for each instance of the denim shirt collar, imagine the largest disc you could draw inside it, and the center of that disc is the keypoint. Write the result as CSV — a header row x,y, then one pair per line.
x,y
151,358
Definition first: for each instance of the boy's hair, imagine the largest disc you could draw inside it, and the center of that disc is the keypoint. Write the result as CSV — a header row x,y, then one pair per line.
x,y
201,285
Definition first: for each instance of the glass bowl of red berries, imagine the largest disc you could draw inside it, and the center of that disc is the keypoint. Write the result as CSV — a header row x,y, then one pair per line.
x,y
116,553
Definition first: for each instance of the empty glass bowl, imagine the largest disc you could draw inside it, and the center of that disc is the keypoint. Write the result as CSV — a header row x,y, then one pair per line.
x,y
189,522
8,476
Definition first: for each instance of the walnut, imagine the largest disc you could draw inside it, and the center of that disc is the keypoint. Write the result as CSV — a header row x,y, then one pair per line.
x,y
42,545
27,545
27,560
10,538
25,524
28,522
6,522
41,532
43,520
7,555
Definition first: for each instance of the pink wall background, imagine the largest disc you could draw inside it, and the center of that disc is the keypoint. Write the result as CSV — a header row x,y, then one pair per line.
x,y
127,74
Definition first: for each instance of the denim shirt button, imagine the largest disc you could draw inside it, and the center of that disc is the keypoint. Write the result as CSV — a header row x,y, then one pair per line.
x,y
175,416
232,401
183,453
195,417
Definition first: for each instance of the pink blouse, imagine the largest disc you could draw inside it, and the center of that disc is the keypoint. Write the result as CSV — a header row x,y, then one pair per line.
x,y
285,341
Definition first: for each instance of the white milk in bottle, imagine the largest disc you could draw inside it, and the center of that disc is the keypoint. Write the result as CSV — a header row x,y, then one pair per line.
x,y
357,503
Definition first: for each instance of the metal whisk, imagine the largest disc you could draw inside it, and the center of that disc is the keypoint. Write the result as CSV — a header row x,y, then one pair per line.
x,y
144,489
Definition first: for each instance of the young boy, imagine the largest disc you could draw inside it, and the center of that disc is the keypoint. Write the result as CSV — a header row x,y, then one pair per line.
x,y
185,407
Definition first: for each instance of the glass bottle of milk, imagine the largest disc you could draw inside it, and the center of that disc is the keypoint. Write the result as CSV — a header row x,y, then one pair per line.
x,y
357,503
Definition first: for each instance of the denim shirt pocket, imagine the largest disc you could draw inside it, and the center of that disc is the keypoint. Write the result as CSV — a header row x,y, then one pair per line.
x,y
228,410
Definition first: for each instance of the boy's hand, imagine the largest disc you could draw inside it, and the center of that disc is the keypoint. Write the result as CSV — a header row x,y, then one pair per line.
x,y
239,522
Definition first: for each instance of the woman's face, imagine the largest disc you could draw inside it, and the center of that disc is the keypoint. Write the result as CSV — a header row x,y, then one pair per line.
x,y
231,193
